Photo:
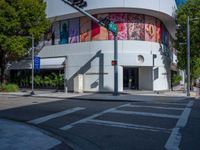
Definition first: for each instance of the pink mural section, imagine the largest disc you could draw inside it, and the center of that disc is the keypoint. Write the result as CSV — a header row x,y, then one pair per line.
x,y
85,29
158,31
136,27
121,20
150,29
99,33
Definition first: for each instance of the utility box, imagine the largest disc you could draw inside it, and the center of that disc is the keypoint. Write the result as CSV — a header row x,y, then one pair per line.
x,y
78,83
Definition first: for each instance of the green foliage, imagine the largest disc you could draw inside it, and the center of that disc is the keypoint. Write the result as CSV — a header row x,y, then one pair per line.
x,y
191,9
9,88
58,79
37,80
176,79
19,19
52,80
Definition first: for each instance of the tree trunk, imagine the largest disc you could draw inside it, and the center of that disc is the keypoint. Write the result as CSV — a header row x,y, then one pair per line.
x,y
2,67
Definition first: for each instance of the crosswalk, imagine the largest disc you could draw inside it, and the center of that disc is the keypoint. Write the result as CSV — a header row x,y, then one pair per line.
x,y
55,115
174,139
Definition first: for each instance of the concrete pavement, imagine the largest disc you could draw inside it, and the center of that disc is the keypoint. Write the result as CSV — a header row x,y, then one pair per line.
x,y
19,136
126,96
14,135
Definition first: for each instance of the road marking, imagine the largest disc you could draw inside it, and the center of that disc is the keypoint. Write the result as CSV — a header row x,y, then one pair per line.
x,y
156,107
145,114
167,103
71,125
174,139
128,125
55,115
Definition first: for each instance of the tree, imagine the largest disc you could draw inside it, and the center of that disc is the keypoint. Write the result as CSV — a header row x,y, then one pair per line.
x,y
192,9
19,19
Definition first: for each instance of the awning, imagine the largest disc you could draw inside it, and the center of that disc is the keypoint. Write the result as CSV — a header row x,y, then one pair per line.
x,y
45,63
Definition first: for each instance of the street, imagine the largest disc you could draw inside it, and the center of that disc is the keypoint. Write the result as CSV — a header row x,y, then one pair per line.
x,y
164,123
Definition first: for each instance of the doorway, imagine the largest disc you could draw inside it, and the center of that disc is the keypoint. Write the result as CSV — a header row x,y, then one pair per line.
x,y
130,78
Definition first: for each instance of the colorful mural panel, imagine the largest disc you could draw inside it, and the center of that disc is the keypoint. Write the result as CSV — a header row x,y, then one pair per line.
x,y
64,33
136,27
150,28
85,29
99,33
74,30
158,31
121,20
130,26
56,33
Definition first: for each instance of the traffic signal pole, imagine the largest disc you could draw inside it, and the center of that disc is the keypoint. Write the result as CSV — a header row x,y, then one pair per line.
x,y
115,33
115,65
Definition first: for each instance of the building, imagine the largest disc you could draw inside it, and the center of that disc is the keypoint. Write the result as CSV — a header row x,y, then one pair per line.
x,y
146,33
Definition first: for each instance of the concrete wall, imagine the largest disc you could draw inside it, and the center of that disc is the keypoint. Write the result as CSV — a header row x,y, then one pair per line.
x,y
93,60
145,78
163,81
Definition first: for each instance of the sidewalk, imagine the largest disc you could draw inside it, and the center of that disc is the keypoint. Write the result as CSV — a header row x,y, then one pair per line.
x,y
130,95
19,136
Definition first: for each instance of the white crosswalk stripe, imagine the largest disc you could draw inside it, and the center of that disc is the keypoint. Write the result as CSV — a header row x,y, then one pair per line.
x,y
168,103
155,107
55,115
145,114
69,126
175,138
128,125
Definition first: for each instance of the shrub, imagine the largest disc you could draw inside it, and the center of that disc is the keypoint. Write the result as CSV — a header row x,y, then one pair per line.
x,y
9,88
176,79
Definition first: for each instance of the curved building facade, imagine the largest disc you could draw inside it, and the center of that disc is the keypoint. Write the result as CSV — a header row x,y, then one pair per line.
x,y
145,39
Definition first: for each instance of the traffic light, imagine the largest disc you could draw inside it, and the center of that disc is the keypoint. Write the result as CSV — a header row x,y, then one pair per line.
x,y
106,22
79,3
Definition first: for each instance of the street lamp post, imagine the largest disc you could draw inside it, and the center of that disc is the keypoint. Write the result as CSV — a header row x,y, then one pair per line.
x,y
32,89
188,53
188,56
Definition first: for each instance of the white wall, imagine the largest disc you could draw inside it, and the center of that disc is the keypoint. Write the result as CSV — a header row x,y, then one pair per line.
x,y
145,78
163,80
85,58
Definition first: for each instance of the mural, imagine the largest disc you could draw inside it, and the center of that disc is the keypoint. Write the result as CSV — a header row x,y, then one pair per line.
x,y
158,31
136,27
64,35
74,30
150,28
56,33
85,29
121,20
130,27
99,33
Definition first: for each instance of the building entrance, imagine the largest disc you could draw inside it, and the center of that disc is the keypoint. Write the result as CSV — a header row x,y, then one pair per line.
x,y
130,78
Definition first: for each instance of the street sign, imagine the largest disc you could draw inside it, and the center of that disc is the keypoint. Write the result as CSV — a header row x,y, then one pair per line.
x,y
37,63
114,62
113,27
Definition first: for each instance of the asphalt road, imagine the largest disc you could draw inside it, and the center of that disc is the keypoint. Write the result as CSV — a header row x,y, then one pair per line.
x,y
99,125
